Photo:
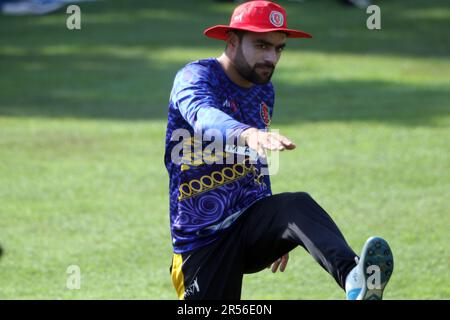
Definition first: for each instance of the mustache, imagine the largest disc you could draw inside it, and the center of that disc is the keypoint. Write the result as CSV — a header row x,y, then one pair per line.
x,y
265,65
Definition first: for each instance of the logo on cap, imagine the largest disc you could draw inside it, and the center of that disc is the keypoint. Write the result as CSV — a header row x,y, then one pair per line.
x,y
238,17
264,113
276,18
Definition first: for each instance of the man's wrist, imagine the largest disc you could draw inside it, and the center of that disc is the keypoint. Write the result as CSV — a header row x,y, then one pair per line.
x,y
247,133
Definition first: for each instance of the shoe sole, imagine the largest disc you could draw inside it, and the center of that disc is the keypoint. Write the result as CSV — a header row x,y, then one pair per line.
x,y
378,254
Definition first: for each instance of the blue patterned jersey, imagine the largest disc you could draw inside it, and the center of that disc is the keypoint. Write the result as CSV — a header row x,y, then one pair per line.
x,y
207,197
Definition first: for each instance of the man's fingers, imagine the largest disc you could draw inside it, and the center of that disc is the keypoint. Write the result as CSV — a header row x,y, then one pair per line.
x,y
275,265
290,145
271,142
280,263
280,142
260,141
284,261
272,145
286,142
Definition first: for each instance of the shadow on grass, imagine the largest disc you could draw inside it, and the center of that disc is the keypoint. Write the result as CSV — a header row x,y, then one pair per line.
x,y
106,87
365,101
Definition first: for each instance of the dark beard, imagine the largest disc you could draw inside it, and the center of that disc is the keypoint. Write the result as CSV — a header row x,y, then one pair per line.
x,y
248,73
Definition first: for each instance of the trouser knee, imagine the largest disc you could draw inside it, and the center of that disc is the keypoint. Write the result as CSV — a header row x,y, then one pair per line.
x,y
298,199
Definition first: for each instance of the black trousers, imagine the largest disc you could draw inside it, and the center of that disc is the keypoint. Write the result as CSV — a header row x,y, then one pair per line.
x,y
267,230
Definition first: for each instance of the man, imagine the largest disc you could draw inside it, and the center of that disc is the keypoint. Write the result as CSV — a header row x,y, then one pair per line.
x,y
225,222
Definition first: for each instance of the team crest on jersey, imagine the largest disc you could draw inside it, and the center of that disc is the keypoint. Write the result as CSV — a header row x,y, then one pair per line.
x,y
230,104
276,18
264,113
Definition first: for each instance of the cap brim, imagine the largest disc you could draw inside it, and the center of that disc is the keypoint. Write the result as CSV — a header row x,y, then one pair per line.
x,y
220,32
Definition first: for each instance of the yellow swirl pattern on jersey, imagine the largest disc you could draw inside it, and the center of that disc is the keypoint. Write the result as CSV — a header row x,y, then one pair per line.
x,y
217,179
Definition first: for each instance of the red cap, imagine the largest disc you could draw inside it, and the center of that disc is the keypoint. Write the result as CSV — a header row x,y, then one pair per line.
x,y
256,16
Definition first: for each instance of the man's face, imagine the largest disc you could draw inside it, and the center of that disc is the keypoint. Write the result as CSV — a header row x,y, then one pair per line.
x,y
257,54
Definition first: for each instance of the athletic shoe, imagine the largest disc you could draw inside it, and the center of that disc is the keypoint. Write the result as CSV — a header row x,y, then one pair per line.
x,y
374,268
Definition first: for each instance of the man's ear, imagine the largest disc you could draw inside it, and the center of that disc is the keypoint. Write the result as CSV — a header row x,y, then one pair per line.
x,y
233,40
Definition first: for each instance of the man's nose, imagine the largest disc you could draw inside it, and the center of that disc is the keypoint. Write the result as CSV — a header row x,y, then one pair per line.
x,y
271,56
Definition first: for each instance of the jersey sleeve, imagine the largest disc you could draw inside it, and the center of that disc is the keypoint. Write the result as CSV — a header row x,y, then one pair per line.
x,y
197,101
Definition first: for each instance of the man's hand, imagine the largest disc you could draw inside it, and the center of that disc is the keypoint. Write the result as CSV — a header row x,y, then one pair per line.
x,y
259,140
282,263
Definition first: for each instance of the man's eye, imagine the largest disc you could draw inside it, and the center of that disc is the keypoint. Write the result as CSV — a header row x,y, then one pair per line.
x,y
261,46
280,49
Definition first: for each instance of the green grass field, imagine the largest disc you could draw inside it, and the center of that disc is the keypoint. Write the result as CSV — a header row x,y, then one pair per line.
x,y
82,128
